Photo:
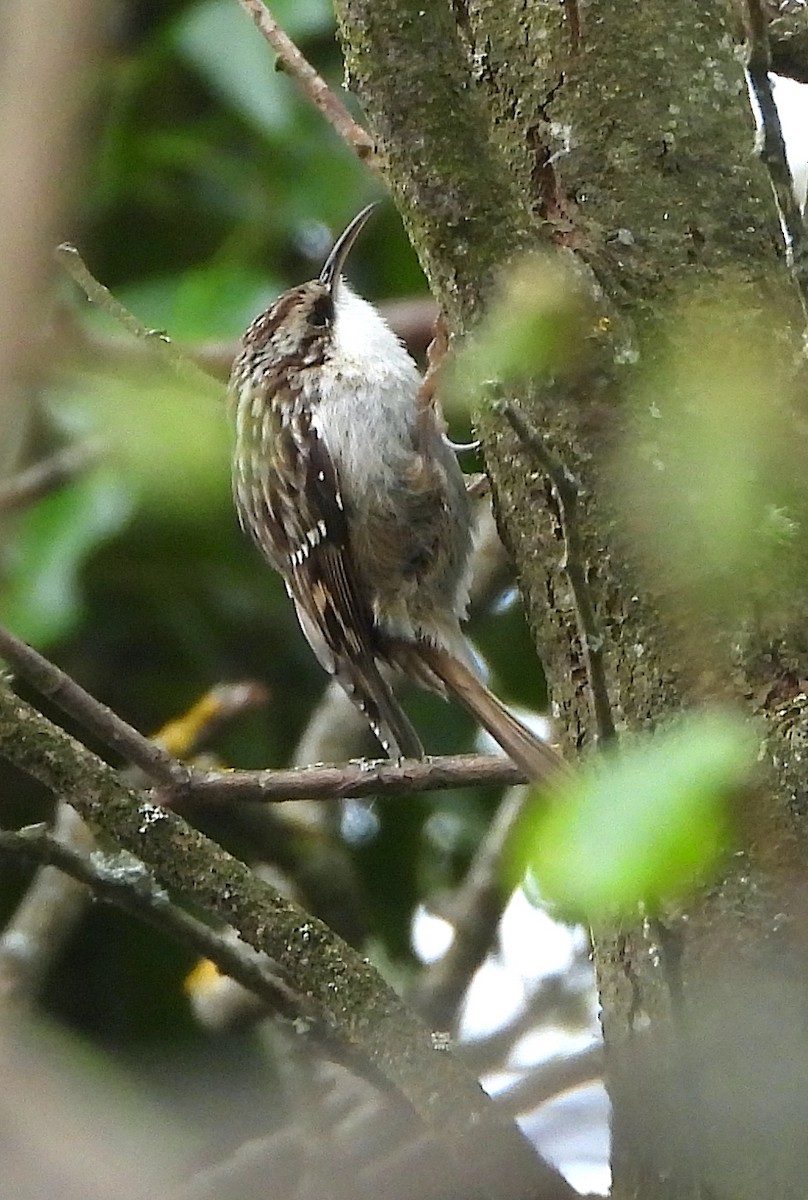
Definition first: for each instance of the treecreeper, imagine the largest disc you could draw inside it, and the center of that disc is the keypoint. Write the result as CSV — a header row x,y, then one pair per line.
x,y
344,477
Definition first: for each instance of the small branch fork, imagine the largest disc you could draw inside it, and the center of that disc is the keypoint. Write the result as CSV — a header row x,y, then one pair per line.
x,y
566,489
774,149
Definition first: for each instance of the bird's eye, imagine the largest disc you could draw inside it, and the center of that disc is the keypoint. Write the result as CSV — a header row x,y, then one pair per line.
x,y
322,310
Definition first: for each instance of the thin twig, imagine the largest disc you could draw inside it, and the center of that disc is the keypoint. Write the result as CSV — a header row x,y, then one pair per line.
x,y
311,84
377,777
410,318
120,879
565,486
774,147
95,291
94,716
49,474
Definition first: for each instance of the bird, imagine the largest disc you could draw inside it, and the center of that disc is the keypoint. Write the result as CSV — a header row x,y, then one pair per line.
x,y
344,477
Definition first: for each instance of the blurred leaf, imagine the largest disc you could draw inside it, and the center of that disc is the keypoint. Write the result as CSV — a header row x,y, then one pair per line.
x,y
711,476
39,597
643,825
218,300
534,326
173,441
244,74
304,19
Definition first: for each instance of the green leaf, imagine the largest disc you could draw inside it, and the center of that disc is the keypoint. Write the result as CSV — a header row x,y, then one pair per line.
x,y
170,439
643,825
40,598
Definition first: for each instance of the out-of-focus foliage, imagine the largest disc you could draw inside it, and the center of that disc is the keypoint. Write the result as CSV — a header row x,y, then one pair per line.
x,y
41,599
534,328
640,826
711,476
709,486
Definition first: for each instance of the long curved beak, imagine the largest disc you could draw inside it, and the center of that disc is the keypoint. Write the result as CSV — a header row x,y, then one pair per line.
x,y
332,267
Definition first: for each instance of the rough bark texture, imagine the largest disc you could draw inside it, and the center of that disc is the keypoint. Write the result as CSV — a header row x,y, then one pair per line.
x,y
342,989
622,134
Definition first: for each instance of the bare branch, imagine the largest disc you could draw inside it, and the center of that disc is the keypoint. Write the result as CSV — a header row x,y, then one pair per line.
x,y
347,995
377,777
552,1079
122,880
95,717
49,475
311,84
69,258
55,901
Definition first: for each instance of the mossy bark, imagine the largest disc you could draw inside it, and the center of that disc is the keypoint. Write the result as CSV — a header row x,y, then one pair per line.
x,y
622,135
334,983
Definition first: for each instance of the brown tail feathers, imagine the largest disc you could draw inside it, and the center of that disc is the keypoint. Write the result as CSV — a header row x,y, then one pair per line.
x,y
537,758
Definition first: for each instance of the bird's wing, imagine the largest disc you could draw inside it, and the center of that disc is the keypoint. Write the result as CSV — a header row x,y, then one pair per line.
x,y
313,537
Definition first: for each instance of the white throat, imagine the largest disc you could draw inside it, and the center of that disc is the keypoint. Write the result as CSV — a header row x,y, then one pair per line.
x,y
361,334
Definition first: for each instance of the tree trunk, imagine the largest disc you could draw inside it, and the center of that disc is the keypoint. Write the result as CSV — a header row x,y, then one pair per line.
x,y
622,135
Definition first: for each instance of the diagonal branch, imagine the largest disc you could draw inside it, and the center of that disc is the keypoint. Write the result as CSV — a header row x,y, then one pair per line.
x,y
97,293
310,83
120,879
476,912
553,1078
348,997
49,474
54,901
50,681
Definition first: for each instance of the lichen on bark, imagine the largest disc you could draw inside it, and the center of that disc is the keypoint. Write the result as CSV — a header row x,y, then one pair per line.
x,y
622,135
